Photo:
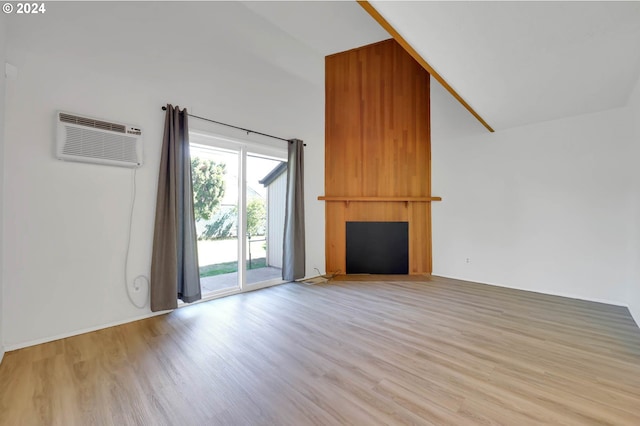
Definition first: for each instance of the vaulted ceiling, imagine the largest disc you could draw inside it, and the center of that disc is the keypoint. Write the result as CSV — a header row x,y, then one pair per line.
x,y
515,63
518,62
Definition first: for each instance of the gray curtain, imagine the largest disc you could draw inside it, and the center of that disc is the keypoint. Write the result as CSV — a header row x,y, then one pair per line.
x,y
174,262
293,257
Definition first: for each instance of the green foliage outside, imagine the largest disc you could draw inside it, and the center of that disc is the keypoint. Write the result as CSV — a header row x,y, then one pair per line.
x,y
222,227
256,217
208,186
228,267
208,190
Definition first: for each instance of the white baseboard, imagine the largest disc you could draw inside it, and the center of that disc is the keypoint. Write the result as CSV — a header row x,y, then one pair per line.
x,y
635,313
15,346
1,353
560,294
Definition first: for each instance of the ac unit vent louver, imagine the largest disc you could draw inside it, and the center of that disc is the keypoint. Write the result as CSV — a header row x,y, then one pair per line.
x,y
91,140
89,122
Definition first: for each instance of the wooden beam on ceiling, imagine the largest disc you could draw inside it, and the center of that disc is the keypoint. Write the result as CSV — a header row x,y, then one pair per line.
x,y
392,31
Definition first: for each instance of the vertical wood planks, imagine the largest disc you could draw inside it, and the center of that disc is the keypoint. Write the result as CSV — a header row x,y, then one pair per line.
x,y
377,143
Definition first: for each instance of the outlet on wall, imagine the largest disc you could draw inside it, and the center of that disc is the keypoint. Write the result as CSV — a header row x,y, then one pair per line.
x,y
467,260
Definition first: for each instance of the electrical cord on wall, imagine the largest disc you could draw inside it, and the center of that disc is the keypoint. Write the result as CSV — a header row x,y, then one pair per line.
x,y
141,280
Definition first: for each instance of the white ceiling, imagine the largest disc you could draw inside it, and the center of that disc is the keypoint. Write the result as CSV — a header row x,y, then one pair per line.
x,y
326,26
517,63
514,62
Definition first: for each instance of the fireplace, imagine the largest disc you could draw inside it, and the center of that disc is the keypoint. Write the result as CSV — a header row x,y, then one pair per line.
x,y
377,247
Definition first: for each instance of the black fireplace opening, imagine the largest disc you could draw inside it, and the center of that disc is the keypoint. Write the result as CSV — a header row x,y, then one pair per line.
x,y
377,248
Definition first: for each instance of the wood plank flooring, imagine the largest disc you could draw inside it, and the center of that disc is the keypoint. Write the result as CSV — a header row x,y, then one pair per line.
x,y
440,352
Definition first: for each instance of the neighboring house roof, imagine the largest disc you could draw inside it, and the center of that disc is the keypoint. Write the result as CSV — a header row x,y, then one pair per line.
x,y
273,174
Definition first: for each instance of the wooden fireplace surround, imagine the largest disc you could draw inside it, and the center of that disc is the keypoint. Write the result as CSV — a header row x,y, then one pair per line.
x,y
377,148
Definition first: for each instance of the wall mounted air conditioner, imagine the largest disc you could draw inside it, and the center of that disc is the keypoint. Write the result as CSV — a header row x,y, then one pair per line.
x,y
89,140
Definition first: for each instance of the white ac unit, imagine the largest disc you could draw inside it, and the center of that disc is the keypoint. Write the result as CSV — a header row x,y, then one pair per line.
x,y
89,140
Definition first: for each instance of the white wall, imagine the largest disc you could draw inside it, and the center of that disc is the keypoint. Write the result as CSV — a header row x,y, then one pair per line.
x,y
633,295
65,223
2,113
549,207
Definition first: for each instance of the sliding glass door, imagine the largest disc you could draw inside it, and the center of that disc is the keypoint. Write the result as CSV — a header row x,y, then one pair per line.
x,y
216,201
266,180
239,208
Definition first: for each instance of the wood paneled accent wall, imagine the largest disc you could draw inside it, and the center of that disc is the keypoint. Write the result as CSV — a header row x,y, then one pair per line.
x,y
377,144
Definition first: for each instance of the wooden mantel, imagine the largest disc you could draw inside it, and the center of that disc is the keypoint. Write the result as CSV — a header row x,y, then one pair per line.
x,y
374,199
405,200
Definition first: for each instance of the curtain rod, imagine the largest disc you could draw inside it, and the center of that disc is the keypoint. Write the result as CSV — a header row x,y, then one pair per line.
x,y
164,108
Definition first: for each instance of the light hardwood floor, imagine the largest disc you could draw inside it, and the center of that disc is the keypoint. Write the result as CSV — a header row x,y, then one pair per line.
x,y
350,352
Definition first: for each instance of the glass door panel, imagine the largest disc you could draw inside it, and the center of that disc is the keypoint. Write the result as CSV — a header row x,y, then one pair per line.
x,y
265,195
215,174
